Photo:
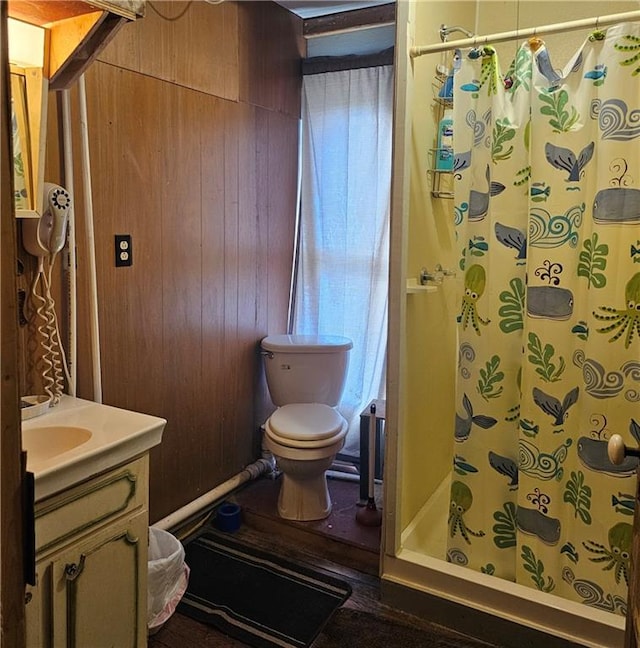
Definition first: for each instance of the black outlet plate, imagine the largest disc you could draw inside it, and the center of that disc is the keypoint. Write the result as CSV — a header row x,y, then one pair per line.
x,y
123,250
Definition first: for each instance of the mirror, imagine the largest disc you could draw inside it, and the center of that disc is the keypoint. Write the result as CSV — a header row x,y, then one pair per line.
x,y
22,180
28,119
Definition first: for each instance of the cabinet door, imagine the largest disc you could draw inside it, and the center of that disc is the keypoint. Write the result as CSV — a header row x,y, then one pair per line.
x,y
99,589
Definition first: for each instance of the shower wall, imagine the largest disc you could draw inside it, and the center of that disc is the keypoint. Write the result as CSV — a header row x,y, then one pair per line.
x,y
430,334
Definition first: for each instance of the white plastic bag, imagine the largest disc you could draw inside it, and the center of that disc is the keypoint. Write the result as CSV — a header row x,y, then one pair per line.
x,y
168,576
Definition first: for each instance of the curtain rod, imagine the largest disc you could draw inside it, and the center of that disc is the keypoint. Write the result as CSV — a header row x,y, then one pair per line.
x,y
525,33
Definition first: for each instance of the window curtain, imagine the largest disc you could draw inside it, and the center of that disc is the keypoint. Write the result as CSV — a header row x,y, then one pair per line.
x,y
341,280
546,203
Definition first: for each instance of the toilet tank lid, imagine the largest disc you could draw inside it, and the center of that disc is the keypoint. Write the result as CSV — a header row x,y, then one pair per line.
x,y
306,343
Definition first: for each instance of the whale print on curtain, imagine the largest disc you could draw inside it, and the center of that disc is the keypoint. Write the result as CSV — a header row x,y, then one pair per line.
x,y
547,209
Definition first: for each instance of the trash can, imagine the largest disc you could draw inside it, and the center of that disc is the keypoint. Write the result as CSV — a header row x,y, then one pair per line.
x,y
168,576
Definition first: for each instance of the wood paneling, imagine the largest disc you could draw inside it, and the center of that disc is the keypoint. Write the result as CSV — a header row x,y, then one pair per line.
x,y
270,59
195,46
206,187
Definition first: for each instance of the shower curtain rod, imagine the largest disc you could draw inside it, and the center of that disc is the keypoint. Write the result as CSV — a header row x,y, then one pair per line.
x,y
585,23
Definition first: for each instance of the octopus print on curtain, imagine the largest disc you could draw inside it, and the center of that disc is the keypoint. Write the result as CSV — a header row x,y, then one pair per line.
x,y
547,208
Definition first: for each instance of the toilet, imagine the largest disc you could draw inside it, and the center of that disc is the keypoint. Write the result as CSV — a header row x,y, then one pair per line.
x,y
306,377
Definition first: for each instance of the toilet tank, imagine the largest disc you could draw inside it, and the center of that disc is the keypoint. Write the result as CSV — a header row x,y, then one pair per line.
x,y
306,368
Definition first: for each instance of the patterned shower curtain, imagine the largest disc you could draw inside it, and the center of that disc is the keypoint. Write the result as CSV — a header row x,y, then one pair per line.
x,y
547,208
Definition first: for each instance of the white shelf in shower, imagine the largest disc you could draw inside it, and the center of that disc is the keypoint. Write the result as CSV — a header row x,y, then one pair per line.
x,y
414,287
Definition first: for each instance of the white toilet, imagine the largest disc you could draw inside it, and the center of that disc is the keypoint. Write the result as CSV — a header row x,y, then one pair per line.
x,y
306,376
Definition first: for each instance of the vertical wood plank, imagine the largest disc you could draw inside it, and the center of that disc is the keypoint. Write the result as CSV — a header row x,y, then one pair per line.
x,y
231,358
264,407
214,376
250,270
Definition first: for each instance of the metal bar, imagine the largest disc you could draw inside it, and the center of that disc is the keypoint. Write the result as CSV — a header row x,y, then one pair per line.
x,y
490,39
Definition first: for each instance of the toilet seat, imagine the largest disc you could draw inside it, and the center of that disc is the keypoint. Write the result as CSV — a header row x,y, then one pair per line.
x,y
306,425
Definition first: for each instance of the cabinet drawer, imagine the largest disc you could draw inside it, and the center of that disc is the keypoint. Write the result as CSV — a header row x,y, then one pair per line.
x,y
92,503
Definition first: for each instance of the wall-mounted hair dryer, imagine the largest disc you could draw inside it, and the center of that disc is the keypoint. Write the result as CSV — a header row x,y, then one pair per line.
x,y
46,235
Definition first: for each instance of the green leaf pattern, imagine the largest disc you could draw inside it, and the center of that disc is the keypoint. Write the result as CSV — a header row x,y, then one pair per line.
x,y
536,568
505,527
541,357
503,132
490,379
578,494
561,119
512,311
593,258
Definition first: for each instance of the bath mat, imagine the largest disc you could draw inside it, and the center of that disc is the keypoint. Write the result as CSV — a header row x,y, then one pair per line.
x,y
259,599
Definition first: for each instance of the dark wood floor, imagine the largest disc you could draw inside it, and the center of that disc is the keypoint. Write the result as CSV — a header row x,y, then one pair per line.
x,y
338,546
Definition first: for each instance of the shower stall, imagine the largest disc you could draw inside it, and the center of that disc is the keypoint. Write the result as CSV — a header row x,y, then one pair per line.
x,y
419,571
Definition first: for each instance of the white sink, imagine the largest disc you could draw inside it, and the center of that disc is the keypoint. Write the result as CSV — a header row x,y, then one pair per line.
x,y
42,443
77,439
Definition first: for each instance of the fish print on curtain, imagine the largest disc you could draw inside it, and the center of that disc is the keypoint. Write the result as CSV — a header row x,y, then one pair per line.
x,y
547,209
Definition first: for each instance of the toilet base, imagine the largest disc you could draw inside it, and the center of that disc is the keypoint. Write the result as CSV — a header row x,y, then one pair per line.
x,y
304,499
304,495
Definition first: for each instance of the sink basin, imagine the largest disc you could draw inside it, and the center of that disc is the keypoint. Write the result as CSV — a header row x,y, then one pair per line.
x,y
42,443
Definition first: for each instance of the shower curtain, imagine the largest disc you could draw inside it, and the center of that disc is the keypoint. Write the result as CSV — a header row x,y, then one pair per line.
x,y
547,210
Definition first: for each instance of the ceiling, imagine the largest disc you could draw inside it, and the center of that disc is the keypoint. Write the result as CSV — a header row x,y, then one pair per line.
x,y
360,41
315,8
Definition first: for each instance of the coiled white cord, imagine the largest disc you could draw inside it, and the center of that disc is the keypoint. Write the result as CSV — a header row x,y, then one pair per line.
x,y
53,356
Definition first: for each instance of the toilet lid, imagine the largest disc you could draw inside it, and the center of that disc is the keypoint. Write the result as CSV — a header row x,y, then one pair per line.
x,y
306,422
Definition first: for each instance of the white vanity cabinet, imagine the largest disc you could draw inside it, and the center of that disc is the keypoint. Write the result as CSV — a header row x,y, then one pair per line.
x,y
91,563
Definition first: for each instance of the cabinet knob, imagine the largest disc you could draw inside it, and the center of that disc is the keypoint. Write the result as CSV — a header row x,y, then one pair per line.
x,y
617,450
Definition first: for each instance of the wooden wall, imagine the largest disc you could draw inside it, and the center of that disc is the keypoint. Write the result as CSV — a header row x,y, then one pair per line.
x,y
193,129
12,496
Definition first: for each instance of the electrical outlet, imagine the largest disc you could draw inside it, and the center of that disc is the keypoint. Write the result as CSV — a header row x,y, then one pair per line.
x,y
124,250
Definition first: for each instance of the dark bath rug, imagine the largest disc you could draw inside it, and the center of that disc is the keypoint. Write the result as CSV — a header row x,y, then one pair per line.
x,y
257,598
357,629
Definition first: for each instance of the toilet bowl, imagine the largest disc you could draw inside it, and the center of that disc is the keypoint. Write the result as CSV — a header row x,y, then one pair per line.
x,y
304,438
